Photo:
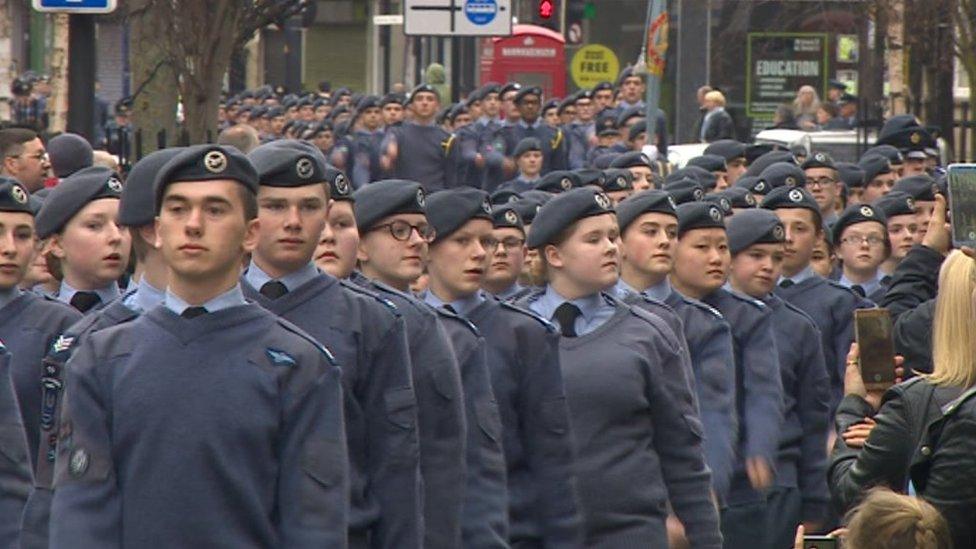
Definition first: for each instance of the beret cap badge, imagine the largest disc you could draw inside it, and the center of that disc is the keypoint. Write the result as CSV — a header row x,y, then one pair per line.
x,y
215,162
19,194
304,168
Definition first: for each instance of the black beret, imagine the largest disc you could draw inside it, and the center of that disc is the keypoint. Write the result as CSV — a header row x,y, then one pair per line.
x,y
896,203
392,98
14,197
617,179
790,197
752,183
891,153
528,207
627,114
699,215
565,209
755,150
450,209
558,181
507,217
905,133
857,213
818,160
705,178
339,187
649,201
685,190
606,124
757,166
206,163
739,198
489,88
138,207
754,227
528,90
69,153
874,165
590,176
783,174
509,86
920,187
566,103
525,145
626,73
385,198
637,129
632,159
74,193
836,85
851,174
422,88
367,102
456,111
721,201
551,104
503,196
727,149
604,161
287,166
710,162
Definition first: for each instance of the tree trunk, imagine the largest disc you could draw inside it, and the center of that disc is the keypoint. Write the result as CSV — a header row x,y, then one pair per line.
x,y
6,58
154,84
896,57
58,60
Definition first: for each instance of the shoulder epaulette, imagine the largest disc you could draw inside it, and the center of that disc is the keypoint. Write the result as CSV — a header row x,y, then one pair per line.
x,y
950,409
440,311
301,333
746,299
531,314
704,307
367,292
839,286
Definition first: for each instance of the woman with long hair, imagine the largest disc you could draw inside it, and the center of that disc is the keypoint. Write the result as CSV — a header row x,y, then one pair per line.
x,y
805,107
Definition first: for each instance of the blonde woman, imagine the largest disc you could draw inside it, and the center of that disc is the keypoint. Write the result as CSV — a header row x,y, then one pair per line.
x,y
805,107
889,425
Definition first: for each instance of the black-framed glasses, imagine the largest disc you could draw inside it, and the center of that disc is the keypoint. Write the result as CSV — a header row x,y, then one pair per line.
x,y
401,230
820,181
857,240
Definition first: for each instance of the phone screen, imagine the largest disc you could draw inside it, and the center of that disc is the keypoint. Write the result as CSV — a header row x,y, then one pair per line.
x,y
962,203
872,329
819,542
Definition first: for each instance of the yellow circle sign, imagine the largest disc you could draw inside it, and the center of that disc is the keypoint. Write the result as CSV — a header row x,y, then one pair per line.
x,y
593,64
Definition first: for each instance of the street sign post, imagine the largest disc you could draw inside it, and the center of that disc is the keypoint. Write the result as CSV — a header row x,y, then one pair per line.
x,y
458,17
75,6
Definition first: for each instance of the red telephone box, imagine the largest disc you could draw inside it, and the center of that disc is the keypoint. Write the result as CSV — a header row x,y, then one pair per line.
x,y
532,55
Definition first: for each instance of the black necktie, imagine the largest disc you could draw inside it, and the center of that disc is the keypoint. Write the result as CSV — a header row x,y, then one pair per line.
x,y
450,309
859,290
84,301
566,315
193,312
273,289
786,283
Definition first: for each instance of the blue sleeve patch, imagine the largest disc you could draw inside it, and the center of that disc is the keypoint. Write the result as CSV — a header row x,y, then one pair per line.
x,y
280,358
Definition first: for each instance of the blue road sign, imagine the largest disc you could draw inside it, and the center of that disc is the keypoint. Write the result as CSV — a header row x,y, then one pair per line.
x,y
480,12
75,6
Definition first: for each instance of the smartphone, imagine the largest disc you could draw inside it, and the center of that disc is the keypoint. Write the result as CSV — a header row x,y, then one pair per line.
x,y
872,330
820,542
962,204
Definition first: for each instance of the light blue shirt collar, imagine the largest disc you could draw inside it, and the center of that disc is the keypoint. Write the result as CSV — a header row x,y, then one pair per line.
x,y
870,286
590,306
798,277
144,297
536,125
510,292
294,280
657,292
231,298
461,306
7,296
106,294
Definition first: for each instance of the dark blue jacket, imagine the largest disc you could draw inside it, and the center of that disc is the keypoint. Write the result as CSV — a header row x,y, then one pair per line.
x,y
223,430
368,338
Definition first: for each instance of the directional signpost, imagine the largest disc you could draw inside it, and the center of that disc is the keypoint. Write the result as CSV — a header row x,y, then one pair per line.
x,y
75,6
458,17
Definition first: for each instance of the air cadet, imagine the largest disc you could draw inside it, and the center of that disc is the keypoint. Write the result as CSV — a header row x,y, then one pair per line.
x,y
740,199
618,184
828,303
383,209
902,224
648,229
420,150
525,373
79,217
636,450
756,186
922,189
528,158
529,102
358,152
366,334
784,174
581,134
714,164
701,266
640,167
860,237
684,190
271,436
822,182
734,154
29,324
852,176
137,213
508,257
336,251
799,493
879,177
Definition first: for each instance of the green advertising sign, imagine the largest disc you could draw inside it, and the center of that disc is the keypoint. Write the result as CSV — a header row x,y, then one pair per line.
x,y
777,64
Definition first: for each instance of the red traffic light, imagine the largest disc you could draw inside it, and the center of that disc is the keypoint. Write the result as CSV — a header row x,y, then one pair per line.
x,y
546,8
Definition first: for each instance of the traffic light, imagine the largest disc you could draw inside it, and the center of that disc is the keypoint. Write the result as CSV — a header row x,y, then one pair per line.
x,y
546,8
